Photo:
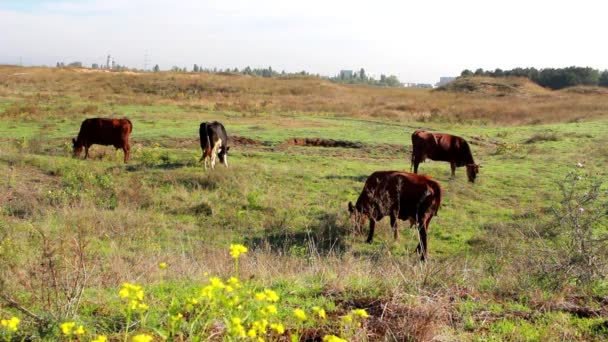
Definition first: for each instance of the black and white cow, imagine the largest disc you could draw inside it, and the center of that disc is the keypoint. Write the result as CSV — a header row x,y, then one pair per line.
x,y
214,141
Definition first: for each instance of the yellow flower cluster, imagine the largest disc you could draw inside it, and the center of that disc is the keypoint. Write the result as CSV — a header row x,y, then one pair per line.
x,y
333,338
267,295
69,329
100,338
320,312
11,324
134,294
237,249
300,314
142,338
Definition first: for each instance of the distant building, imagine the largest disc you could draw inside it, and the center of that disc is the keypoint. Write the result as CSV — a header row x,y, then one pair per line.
x,y
444,80
346,74
418,85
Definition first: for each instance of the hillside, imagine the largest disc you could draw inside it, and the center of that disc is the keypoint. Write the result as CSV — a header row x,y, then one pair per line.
x,y
138,250
495,86
519,102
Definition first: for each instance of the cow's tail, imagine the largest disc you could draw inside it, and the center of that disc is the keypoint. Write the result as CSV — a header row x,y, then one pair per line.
x,y
203,130
130,124
436,189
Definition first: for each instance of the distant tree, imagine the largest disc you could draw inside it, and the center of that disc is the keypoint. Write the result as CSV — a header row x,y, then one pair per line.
x,y
498,73
156,68
247,71
195,68
466,72
603,80
235,70
479,72
362,74
94,66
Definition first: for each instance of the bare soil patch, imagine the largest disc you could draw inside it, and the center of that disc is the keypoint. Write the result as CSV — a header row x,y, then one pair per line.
x,y
319,142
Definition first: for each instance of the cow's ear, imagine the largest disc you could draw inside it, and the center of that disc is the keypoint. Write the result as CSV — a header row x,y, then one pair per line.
x,y
350,207
227,148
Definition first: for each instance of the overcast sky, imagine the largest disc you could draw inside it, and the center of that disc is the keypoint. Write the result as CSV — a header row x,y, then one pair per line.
x,y
418,41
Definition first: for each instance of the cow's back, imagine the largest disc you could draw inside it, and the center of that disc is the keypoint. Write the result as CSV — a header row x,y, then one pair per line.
x,y
105,131
395,191
211,132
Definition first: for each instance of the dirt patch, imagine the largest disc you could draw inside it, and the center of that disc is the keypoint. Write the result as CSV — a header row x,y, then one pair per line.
x,y
237,140
319,142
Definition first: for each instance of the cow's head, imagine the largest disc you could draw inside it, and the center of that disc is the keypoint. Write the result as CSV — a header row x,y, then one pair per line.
x,y
472,171
357,218
222,154
76,147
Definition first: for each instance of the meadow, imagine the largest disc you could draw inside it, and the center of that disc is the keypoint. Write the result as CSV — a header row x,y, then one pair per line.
x,y
519,255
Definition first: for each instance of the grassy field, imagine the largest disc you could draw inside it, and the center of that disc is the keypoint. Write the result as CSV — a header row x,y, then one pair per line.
x,y
510,258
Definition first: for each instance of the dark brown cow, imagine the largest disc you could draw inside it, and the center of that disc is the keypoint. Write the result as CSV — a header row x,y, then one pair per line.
x,y
397,194
443,147
103,131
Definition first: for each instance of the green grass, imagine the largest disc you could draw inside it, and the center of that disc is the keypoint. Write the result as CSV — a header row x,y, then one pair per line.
x,y
289,205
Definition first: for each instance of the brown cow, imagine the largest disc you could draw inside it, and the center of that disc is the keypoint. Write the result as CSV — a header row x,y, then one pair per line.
x,y
397,194
103,131
443,147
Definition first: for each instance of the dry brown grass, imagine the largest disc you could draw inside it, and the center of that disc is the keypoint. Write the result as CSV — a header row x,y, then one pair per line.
x,y
510,102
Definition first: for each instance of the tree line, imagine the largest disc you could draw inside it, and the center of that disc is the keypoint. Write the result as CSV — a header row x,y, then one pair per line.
x,y
360,77
553,78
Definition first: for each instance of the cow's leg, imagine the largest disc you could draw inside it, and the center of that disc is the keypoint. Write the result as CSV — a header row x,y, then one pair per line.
x,y
226,159
453,166
395,226
416,163
125,150
214,151
422,245
372,225
86,151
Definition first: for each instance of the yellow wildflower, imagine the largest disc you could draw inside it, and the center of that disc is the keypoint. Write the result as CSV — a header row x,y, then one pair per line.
x,y
162,265
348,318
333,338
251,333
300,314
260,296
361,313
142,338
236,250
130,291
100,338
177,317
270,310
320,312
11,324
67,328
216,283
79,330
237,327
260,326
278,327
271,296
233,281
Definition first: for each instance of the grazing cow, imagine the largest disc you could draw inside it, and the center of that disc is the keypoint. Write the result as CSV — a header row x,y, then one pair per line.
x,y
214,141
399,195
103,131
443,147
